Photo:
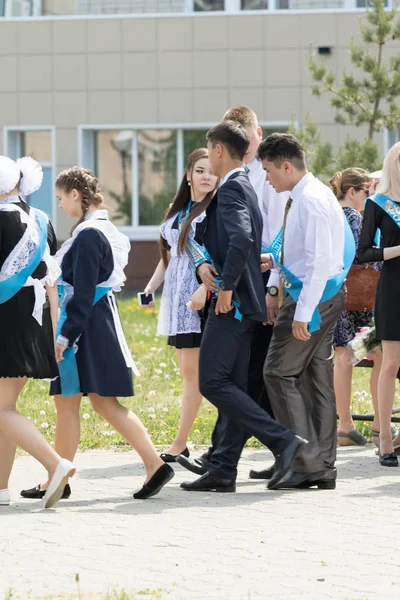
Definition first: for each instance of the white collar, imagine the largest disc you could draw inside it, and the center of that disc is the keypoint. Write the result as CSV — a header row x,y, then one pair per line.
x,y
11,200
97,214
254,164
231,173
299,187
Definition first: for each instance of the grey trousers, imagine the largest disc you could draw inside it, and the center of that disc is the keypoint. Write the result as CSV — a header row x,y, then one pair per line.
x,y
299,380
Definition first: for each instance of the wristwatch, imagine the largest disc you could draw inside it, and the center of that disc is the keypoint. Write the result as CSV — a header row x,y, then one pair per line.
x,y
272,290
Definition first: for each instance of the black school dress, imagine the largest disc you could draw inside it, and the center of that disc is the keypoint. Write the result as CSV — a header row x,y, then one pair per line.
x,y
26,348
387,306
101,363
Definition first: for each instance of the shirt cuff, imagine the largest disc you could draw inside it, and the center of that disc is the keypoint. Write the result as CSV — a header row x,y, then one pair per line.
x,y
62,340
303,314
273,279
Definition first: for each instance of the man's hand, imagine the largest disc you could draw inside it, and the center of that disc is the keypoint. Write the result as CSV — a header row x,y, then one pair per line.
x,y
207,274
199,298
272,308
59,352
300,331
267,262
224,302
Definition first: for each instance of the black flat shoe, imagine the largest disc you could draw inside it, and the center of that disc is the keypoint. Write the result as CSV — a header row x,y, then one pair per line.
x,y
155,483
36,493
264,474
171,458
388,460
209,483
284,460
199,466
295,479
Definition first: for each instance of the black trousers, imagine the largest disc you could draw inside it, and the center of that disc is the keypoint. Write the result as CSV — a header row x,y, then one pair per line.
x,y
223,373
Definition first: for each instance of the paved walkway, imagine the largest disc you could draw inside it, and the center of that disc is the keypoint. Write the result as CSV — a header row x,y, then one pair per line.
x,y
254,544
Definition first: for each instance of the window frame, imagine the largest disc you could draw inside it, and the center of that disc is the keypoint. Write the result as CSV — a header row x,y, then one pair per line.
x,y
8,130
86,157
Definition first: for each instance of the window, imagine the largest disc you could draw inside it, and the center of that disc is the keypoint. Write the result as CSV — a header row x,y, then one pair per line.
x,y
139,170
253,4
20,8
364,3
393,136
39,144
208,5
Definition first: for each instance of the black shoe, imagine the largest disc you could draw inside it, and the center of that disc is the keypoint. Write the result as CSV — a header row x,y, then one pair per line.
x,y
199,466
284,460
321,484
388,460
155,483
170,458
36,493
295,479
209,483
264,474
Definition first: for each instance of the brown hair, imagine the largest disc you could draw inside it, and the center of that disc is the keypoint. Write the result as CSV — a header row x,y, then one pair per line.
x,y
179,202
242,115
86,183
354,177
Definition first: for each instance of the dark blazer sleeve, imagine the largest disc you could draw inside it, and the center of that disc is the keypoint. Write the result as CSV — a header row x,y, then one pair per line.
x,y
51,239
235,216
88,253
367,251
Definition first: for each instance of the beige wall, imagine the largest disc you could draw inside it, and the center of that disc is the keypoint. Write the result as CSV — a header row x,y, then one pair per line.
x,y
165,70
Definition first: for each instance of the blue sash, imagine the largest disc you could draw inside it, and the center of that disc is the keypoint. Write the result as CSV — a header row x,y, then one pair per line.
x,y
390,207
68,368
293,285
11,286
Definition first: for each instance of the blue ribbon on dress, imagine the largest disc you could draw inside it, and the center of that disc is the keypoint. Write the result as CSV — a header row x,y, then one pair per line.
x,y
293,285
68,368
11,286
390,207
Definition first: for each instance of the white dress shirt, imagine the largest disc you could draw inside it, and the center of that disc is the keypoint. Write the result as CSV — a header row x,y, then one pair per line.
x,y
314,241
272,205
229,174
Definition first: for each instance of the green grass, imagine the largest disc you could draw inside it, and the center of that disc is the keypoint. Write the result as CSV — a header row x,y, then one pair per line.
x,y
158,392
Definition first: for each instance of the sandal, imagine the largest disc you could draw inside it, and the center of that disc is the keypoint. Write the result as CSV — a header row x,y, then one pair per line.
x,y
353,438
375,435
388,460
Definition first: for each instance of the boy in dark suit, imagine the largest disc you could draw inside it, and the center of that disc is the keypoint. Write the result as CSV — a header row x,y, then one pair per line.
x,y
233,240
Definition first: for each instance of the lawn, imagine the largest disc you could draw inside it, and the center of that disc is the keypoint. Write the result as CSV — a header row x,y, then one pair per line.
x,y
158,392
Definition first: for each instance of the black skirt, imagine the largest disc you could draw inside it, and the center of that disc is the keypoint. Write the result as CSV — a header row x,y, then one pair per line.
x,y
387,306
185,340
26,348
101,364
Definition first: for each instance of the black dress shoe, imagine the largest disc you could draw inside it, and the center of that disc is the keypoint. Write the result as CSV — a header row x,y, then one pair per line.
x,y
36,493
321,484
155,483
298,480
284,460
209,483
199,466
170,458
264,474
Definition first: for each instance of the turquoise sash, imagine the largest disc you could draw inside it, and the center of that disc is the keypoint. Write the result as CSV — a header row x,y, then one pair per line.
x,y
68,368
293,285
11,286
390,207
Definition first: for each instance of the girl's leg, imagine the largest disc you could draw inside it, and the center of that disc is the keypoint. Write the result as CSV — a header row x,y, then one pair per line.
x,y
20,430
7,455
191,401
131,428
343,372
386,391
375,426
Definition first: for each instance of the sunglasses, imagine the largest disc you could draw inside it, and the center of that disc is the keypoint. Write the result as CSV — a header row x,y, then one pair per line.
x,y
362,189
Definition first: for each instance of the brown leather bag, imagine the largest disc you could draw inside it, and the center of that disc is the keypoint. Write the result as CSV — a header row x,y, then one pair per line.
x,y
361,283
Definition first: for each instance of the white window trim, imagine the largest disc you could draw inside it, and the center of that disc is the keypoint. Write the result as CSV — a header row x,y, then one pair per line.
x,y
146,232
52,163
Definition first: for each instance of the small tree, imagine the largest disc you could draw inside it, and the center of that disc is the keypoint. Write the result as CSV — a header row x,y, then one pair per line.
x,y
319,155
370,99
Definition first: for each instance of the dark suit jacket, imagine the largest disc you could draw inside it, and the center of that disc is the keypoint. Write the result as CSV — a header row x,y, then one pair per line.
x,y
233,240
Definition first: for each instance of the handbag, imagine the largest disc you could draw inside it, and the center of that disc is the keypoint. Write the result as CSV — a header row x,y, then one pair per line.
x,y
361,284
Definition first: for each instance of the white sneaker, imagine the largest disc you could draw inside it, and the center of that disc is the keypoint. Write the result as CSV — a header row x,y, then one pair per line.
x,y
5,498
58,482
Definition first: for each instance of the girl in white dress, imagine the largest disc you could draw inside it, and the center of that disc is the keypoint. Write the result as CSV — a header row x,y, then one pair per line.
x,y
184,221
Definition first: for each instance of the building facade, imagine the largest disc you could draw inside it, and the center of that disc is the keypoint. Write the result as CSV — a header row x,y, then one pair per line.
x,y
130,95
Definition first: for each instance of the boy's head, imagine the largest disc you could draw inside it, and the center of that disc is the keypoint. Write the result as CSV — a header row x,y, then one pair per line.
x,y
283,158
227,144
247,118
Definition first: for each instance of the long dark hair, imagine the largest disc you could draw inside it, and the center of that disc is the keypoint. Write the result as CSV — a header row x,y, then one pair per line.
x,y
179,202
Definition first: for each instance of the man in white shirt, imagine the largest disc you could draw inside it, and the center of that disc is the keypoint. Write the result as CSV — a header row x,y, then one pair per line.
x,y
312,251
